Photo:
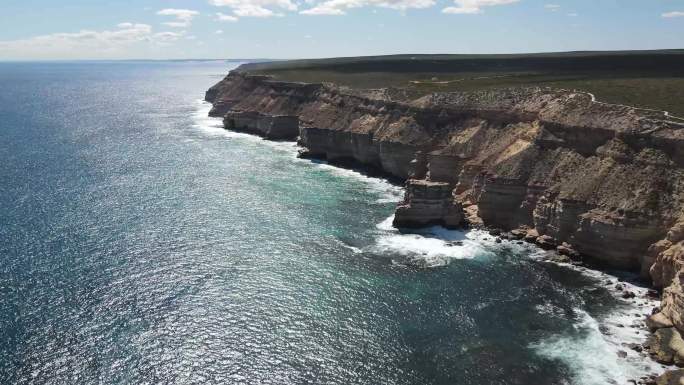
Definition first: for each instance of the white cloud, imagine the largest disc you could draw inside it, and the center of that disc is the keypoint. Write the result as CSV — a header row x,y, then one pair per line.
x,y
219,31
167,37
126,34
177,24
183,17
322,10
552,7
339,7
223,17
87,43
474,6
255,11
669,15
255,8
461,10
573,14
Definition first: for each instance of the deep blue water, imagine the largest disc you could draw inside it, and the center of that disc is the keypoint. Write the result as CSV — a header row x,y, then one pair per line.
x,y
141,243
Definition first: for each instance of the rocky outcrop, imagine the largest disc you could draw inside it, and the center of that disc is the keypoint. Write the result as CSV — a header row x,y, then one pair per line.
x,y
674,377
666,346
666,257
607,181
428,203
666,261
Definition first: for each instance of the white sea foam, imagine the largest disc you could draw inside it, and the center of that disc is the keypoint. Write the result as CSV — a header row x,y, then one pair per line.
x,y
387,224
592,354
593,351
354,249
206,123
435,246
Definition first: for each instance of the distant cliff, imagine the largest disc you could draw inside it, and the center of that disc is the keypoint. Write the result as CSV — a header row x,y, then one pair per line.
x,y
601,180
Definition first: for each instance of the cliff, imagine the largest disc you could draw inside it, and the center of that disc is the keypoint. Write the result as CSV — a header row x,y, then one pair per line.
x,y
603,180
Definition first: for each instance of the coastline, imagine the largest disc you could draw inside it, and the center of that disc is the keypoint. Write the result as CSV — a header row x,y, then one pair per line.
x,y
621,332
589,177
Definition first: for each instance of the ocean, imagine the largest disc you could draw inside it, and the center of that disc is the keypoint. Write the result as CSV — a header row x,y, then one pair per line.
x,y
143,243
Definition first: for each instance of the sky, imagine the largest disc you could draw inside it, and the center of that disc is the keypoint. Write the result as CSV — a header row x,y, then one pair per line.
x,y
283,29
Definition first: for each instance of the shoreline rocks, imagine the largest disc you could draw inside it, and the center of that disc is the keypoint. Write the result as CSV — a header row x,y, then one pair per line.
x,y
674,377
666,346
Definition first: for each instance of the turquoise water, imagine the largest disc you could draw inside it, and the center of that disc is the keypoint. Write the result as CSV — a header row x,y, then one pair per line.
x,y
142,243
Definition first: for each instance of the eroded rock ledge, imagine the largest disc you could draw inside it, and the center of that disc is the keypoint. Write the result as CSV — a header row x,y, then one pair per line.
x,y
605,181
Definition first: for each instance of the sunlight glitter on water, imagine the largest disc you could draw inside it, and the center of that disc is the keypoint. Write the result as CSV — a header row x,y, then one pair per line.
x,y
145,244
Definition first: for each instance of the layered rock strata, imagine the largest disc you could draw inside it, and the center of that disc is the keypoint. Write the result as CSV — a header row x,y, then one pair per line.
x,y
605,181
269,126
428,203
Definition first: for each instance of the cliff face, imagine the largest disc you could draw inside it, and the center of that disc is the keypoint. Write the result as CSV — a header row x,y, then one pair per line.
x,y
606,180
269,126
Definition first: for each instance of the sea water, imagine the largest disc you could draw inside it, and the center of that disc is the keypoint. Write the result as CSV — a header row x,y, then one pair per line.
x,y
143,243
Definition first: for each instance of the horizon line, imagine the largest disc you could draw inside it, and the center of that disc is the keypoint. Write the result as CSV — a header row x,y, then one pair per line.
x,y
663,51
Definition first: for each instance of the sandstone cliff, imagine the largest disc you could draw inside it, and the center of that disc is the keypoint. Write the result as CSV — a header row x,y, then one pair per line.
x,y
604,180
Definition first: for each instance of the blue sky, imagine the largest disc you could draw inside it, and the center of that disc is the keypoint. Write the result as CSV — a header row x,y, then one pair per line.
x,y
154,29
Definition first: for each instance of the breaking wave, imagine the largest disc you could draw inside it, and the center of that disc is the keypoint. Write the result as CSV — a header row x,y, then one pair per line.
x,y
596,351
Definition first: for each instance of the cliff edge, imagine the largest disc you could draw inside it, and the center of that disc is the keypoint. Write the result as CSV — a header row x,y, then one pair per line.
x,y
604,181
